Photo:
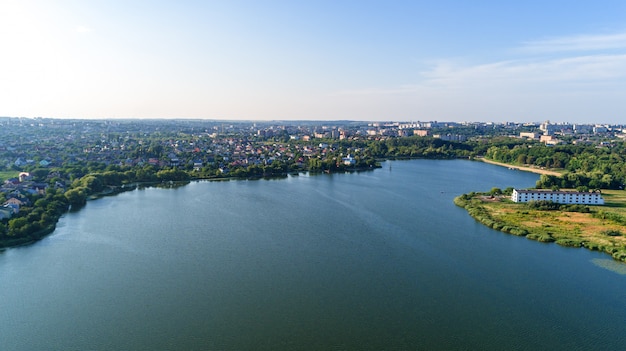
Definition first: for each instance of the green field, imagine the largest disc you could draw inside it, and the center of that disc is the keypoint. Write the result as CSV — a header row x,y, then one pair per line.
x,y
602,229
4,175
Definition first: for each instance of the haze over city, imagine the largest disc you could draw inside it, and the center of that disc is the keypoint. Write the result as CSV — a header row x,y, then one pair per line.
x,y
314,60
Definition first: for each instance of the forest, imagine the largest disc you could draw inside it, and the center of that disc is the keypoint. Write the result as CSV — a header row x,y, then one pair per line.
x,y
583,166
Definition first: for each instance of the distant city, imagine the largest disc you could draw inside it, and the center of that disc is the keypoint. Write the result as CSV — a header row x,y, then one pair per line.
x,y
47,141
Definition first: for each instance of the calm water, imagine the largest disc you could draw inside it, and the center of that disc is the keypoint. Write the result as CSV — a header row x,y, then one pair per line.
x,y
379,260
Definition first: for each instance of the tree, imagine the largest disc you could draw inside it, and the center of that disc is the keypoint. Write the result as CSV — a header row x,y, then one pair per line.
x,y
76,196
92,182
16,226
495,191
39,174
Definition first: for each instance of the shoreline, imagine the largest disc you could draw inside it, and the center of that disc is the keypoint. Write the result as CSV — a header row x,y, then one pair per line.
x,y
563,227
521,168
113,190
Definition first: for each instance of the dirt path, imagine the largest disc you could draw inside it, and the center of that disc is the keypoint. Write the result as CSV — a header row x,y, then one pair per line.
x,y
527,169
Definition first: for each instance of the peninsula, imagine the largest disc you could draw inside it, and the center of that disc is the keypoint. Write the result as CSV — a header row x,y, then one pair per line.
x,y
597,228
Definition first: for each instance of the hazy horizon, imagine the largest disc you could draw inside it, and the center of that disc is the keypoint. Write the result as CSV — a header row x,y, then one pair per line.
x,y
301,120
316,61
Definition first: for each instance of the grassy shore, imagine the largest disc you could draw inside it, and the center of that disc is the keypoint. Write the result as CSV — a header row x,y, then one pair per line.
x,y
601,229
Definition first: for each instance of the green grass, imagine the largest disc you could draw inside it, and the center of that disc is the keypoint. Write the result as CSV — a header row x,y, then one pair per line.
x,y
574,229
615,199
4,175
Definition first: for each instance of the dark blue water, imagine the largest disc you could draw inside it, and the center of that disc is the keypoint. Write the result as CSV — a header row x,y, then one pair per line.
x,y
378,260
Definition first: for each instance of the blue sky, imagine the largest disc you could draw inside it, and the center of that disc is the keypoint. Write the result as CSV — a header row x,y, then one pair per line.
x,y
562,61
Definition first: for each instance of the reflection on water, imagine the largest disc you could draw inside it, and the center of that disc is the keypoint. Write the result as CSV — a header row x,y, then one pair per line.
x,y
611,265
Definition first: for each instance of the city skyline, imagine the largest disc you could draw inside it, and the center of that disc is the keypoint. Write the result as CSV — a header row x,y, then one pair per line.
x,y
323,60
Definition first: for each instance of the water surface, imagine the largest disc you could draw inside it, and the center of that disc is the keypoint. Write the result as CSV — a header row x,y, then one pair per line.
x,y
378,260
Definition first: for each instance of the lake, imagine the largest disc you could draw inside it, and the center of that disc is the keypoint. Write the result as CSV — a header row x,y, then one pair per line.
x,y
377,260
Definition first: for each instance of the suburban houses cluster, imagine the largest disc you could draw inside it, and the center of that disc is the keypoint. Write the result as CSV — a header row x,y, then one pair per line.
x,y
44,142
16,193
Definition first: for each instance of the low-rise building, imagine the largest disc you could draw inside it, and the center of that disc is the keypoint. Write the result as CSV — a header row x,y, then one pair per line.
x,y
529,135
561,197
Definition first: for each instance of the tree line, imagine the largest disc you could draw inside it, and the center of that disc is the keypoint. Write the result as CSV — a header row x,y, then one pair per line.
x,y
583,166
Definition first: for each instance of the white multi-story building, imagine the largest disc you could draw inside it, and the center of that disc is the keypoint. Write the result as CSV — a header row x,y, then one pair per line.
x,y
561,197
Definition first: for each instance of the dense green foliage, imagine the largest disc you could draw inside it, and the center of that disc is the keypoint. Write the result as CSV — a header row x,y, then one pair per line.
x,y
419,147
32,222
589,166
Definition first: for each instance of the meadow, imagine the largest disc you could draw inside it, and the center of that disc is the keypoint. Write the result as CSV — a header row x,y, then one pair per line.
x,y
598,228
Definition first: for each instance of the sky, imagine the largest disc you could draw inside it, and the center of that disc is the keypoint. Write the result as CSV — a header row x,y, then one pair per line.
x,y
444,60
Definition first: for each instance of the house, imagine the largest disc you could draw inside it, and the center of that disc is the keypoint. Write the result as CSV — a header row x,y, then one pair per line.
x,y
15,201
561,197
24,176
40,188
348,160
11,206
6,212
12,181
19,162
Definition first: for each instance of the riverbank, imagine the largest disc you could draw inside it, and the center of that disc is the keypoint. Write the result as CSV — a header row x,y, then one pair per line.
x,y
522,168
30,237
601,229
23,241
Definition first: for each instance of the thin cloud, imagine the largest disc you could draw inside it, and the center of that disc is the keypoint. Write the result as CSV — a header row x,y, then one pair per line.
x,y
589,68
576,43
514,75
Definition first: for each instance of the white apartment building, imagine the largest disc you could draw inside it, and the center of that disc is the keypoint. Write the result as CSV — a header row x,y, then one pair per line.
x,y
561,197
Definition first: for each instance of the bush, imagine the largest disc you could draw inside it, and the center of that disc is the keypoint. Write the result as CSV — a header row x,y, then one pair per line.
x,y
496,225
543,205
544,238
611,216
570,242
576,208
611,232
519,232
620,256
